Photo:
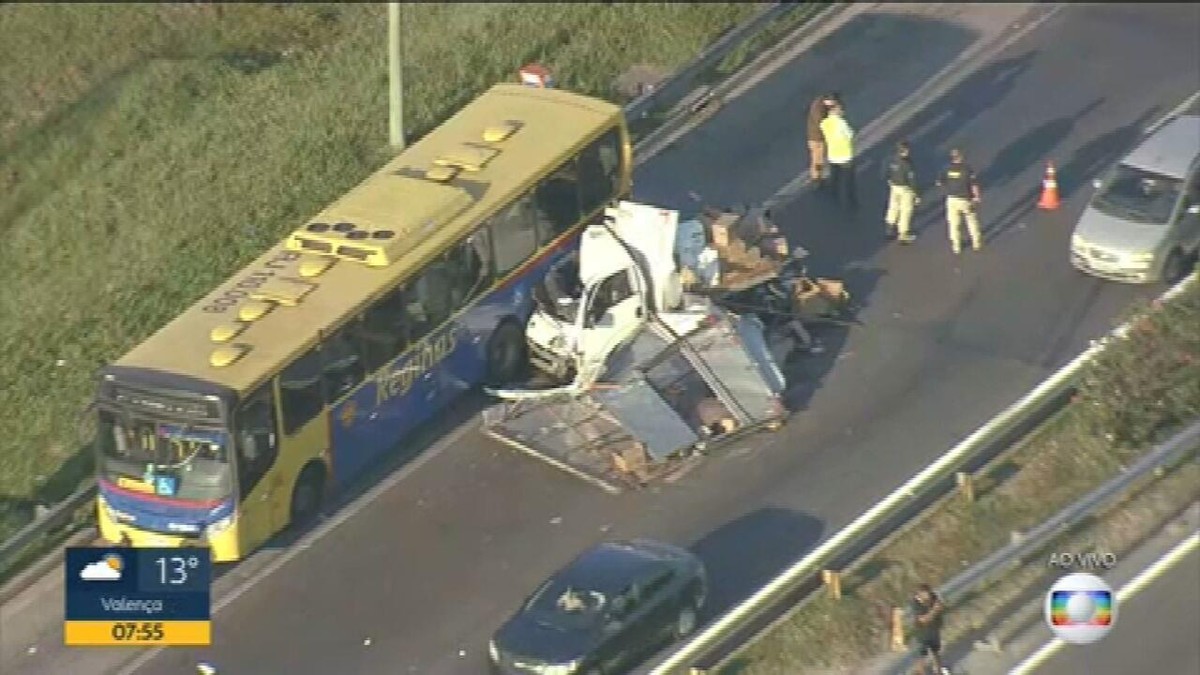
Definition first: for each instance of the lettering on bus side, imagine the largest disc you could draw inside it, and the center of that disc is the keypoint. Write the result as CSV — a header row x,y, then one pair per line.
x,y
242,288
392,381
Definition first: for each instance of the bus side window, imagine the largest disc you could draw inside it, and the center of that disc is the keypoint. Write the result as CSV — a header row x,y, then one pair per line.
x,y
300,392
599,171
344,366
434,297
557,200
383,332
468,268
257,444
514,235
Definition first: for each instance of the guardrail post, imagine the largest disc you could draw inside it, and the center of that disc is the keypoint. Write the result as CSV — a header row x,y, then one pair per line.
x,y
966,485
898,640
833,579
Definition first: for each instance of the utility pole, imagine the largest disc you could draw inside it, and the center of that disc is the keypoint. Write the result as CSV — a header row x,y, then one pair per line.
x,y
395,79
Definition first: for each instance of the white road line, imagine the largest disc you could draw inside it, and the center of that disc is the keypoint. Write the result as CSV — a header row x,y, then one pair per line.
x,y
1127,592
1174,113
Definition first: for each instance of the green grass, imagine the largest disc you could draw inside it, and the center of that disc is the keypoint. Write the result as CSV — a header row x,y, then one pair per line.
x,y
147,151
1136,392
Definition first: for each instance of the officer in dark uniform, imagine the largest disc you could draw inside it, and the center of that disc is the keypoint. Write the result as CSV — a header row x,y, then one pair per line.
x,y
962,200
902,195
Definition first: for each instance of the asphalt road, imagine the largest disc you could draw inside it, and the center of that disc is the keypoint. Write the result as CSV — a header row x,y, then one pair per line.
x,y
1155,631
416,580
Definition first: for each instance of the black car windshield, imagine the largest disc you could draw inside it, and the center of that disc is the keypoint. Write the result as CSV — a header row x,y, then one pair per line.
x,y
563,605
165,459
1140,196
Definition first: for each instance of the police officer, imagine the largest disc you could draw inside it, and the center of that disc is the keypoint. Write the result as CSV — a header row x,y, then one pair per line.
x,y
902,195
962,200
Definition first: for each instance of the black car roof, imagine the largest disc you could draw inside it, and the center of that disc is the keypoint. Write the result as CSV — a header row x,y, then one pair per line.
x,y
609,567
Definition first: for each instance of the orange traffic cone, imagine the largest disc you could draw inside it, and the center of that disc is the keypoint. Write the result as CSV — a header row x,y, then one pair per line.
x,y
1049,200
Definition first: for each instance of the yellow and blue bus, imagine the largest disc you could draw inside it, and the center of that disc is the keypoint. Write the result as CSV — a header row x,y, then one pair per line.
x,y
293,377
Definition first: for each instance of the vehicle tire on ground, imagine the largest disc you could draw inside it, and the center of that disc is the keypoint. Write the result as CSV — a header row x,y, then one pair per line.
x,y
506,355
307,495
1177,267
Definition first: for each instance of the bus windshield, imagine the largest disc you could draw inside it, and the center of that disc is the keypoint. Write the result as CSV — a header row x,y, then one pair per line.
x,y
180,461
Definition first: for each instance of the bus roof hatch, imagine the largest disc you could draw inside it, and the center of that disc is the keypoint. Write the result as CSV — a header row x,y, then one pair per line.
x,y
381,219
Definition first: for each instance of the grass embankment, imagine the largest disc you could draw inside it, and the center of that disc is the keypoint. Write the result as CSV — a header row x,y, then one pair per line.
x,y
1130,397
148,151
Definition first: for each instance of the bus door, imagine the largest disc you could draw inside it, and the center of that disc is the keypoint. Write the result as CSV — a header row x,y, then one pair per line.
x,y
389,341
304,426
430,312
467,272
258,480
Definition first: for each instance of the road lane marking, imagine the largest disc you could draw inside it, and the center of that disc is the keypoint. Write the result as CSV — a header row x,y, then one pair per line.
x,y
1187,103
1128,591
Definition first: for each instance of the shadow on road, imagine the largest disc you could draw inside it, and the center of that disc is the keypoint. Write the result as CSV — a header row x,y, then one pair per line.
x,y
746,553
1020,154
749,149
462,412
1075,175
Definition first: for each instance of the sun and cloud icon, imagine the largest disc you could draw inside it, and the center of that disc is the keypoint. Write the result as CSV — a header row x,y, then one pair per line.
x,y
108,568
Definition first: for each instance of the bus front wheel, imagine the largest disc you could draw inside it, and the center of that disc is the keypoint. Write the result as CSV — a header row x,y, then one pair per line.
x,y
306,496
506,358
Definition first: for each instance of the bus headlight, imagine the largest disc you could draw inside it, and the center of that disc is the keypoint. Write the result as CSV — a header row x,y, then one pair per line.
x,y
1077,242
1142,257
218,526
493,652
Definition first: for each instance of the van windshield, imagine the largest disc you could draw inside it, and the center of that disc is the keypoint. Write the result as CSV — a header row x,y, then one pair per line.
x,y
1138,195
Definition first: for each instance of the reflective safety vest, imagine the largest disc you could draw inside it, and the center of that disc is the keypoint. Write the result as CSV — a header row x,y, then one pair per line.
x,y
839,139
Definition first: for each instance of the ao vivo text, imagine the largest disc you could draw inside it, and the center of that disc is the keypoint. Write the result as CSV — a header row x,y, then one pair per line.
x,y
1083,561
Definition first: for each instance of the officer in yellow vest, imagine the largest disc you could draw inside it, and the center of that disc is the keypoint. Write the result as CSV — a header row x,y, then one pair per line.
x,y
839,154
962,200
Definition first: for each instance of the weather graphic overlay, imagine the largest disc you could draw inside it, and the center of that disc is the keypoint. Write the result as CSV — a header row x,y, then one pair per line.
x,y
138,597
1080,608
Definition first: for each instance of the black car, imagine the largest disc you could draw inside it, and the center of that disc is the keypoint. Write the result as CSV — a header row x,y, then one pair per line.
x,y
604,612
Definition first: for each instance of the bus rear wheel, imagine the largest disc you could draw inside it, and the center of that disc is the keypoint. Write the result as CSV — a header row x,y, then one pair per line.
x,y
506,357
306,496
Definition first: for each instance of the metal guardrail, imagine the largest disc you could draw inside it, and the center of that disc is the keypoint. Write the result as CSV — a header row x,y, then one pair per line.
x,y
677,86
1183,443
703,651
53,520
681,83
